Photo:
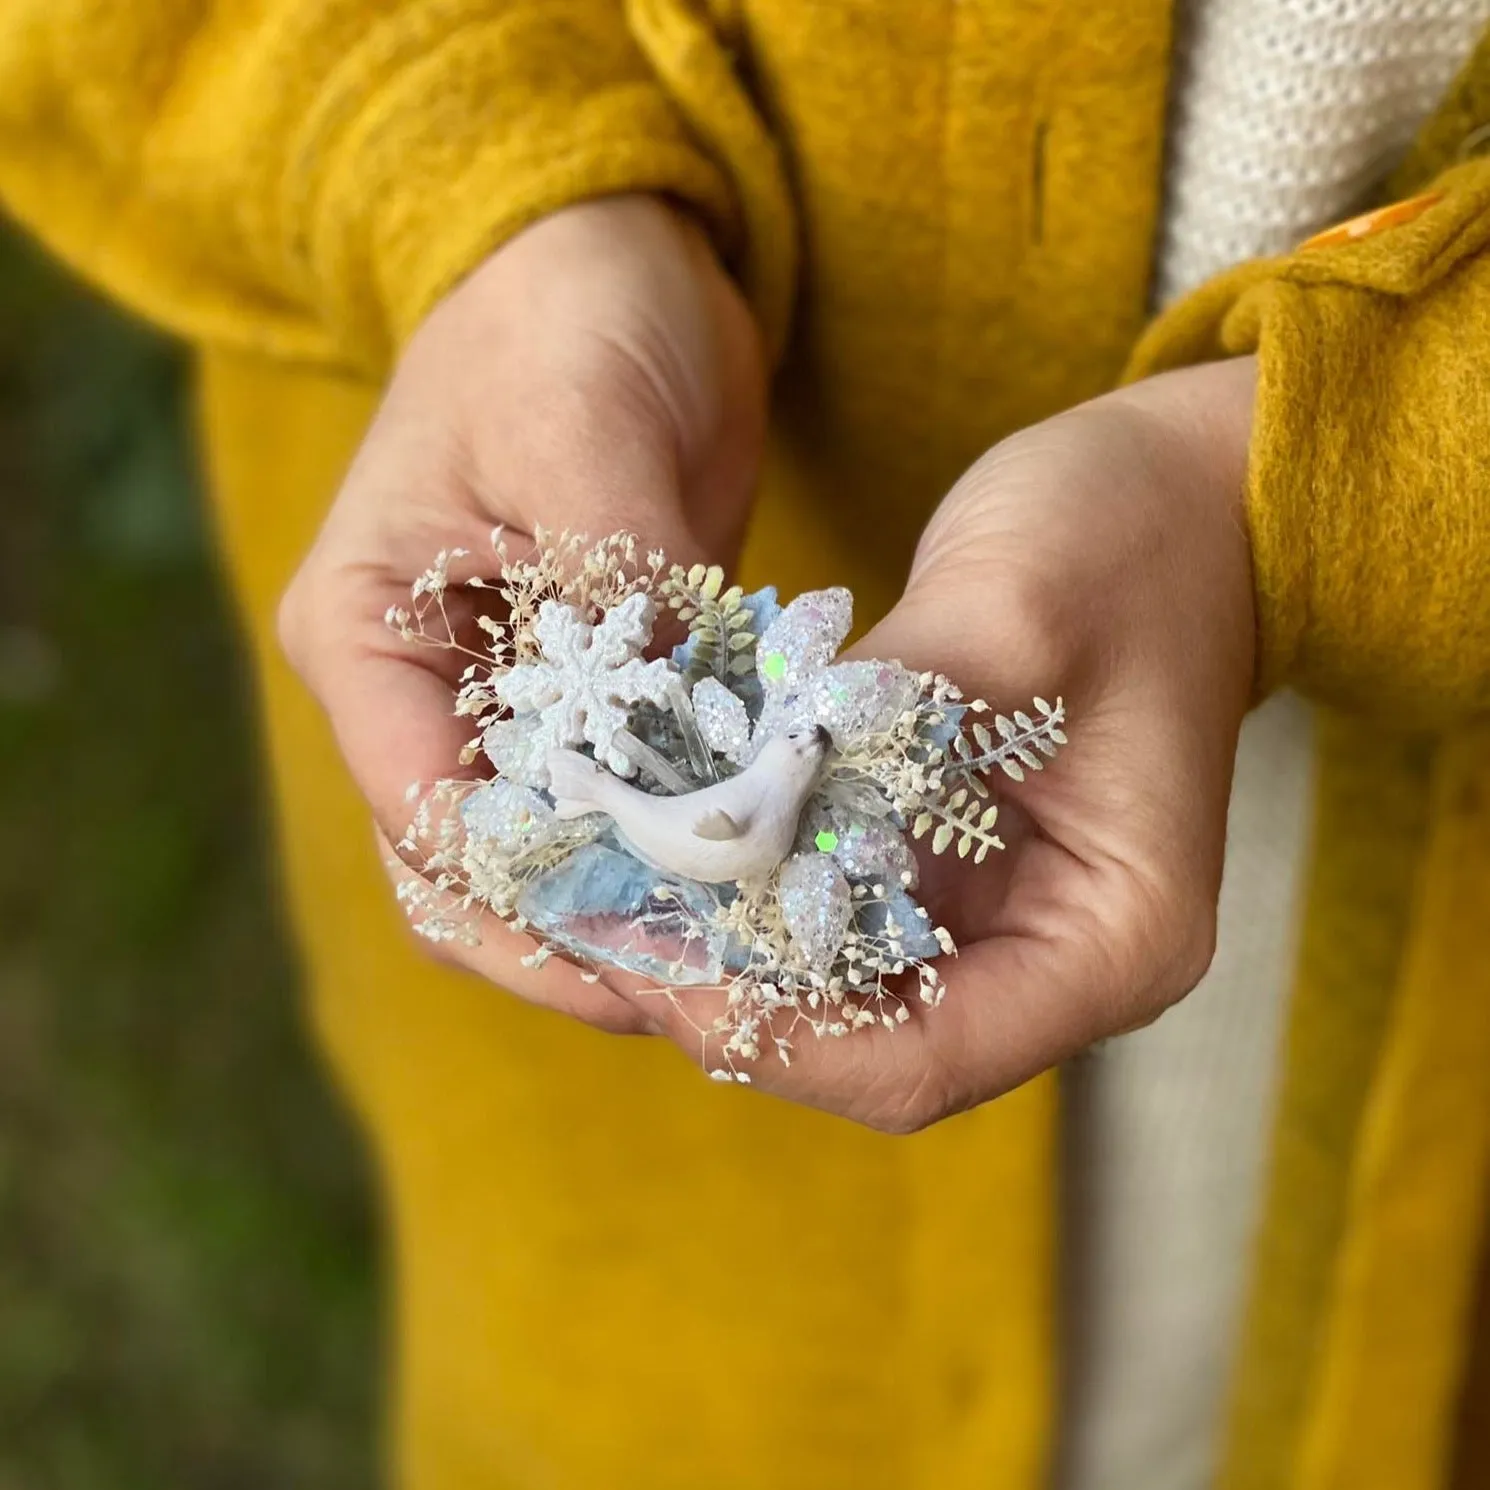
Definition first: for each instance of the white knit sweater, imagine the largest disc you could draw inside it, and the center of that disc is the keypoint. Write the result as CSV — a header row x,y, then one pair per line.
x,y
1285,115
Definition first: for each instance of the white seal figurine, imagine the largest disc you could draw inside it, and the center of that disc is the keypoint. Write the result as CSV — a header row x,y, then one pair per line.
x,y
739,829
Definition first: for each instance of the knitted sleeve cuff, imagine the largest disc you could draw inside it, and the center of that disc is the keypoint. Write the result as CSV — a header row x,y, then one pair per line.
x,y
1368,487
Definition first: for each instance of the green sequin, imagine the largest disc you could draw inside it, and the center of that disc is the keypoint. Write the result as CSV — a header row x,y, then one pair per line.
x,y
774,666
827,840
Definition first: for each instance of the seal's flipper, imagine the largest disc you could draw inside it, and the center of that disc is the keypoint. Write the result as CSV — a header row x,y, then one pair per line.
x,y
718,827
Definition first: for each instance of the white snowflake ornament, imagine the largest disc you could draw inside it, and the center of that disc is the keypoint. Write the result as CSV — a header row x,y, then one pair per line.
x,y
583,689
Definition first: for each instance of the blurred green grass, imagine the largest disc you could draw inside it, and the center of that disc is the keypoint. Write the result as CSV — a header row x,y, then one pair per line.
x,y
186,1279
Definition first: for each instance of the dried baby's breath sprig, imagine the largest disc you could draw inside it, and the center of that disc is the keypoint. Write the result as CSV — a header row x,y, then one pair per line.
x,y
566,567
428,621
460,875
775,996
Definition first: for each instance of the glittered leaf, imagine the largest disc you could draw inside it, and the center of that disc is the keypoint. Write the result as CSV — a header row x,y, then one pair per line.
x,y
816,905
721,717
804,638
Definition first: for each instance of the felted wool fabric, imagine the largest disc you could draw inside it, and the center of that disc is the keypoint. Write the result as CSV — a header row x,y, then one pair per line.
x,y
1367,441
1284,116
1370,524
305,178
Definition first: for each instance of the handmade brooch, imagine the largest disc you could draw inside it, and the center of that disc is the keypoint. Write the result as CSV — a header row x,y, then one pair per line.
x,y
736,815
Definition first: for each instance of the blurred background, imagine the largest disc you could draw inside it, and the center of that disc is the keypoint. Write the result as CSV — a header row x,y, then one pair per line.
x,y
186,1270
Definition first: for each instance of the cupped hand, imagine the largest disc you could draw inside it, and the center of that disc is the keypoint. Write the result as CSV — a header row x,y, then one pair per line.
x,y
599,372
1101,556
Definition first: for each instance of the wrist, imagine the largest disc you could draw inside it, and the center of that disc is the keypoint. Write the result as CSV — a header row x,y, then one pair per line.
x,y
1202,418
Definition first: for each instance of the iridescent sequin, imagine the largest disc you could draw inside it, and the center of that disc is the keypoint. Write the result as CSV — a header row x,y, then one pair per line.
x,y
869,850
803,639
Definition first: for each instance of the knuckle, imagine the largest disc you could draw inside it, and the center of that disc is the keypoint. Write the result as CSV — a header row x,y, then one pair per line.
x,y
1020,594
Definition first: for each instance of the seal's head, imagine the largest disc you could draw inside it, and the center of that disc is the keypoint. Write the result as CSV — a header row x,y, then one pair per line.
x,y
795,757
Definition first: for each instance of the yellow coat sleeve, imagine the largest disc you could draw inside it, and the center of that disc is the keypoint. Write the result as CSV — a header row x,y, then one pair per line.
x,y
305,178
1369,473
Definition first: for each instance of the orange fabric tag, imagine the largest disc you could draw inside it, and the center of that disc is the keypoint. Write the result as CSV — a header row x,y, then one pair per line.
x,y
1369,223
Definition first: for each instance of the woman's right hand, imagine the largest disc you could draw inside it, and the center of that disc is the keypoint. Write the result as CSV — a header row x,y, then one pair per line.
x,y
598,372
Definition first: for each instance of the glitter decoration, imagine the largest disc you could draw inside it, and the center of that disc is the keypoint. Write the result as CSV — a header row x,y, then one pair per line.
x,y
518,748
737,816
805,637
509,816
817,905
854,699
876,853
870,851
589,677
722,719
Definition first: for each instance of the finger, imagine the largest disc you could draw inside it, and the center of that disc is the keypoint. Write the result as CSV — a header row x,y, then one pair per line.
x,y
389,702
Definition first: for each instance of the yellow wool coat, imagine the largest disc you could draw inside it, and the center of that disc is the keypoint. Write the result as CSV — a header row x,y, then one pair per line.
x,y
944,215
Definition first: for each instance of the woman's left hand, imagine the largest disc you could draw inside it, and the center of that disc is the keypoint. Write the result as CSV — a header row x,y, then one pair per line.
x,y
1103,556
